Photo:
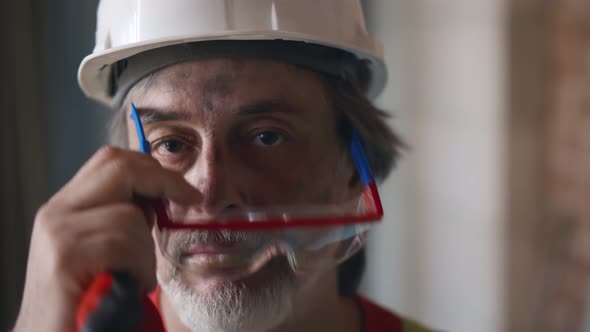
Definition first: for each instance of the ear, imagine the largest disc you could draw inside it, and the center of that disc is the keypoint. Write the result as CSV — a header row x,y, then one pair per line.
x,y
355,185
350,184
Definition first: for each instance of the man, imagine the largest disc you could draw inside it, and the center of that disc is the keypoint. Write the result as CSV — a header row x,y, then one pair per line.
x,y
244,104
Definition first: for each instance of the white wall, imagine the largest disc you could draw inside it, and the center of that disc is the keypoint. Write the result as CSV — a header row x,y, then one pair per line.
x,y
438,256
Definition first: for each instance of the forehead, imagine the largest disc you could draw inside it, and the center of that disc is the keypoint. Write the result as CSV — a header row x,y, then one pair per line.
x,y
215,83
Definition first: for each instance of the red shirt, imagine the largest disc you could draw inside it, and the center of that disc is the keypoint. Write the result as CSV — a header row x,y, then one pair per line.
x,y
375,318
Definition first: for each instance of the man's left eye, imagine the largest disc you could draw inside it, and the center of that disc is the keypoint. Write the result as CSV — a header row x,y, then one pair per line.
x,y
268,138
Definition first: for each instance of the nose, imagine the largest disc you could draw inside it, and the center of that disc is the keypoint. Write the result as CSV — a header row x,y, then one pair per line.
x,y
212,176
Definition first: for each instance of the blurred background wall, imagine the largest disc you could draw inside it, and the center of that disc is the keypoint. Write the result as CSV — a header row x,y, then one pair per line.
x,y
439,256
486,94
48,128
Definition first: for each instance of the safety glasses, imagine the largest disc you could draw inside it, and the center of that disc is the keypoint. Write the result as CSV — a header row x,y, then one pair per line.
x,y
236,243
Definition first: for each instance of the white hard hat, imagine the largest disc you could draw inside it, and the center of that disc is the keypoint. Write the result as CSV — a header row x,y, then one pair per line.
x,y
129,27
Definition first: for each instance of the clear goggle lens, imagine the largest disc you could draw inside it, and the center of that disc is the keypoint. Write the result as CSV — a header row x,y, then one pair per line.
x,y
233,255
240,243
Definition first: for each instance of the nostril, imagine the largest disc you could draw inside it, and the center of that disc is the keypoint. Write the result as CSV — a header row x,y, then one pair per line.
x,y
232,207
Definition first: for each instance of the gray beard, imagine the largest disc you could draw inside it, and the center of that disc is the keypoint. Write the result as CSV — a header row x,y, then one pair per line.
x,y
233,306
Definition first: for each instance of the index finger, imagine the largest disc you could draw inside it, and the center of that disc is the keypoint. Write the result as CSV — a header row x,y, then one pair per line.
x,y
115,175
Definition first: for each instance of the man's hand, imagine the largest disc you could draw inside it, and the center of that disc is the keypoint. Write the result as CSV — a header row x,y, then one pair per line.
x,y
95,224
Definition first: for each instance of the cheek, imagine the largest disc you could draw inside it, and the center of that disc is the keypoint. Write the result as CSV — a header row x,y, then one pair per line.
x,y
281,183
312,179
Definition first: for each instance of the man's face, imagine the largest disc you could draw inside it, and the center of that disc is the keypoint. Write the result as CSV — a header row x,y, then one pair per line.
x,y
245,133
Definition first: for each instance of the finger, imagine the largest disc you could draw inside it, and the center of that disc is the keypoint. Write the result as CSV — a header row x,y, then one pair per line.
x,y
115,175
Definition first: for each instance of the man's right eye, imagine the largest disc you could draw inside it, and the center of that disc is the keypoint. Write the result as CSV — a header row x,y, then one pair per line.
x,y
174,152
170,146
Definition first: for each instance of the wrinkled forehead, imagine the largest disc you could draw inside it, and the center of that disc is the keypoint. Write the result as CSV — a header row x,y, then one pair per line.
x,y
221,83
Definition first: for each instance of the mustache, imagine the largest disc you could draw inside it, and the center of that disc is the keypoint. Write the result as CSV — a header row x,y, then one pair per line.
x,y
183,240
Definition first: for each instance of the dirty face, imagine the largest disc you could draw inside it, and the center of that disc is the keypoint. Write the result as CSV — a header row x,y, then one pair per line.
x,y
246,133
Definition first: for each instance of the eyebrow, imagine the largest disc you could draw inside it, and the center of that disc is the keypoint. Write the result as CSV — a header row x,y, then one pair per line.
x,y
150,115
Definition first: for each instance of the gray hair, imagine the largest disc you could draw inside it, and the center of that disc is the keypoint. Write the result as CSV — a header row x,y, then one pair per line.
x,y
357,113
117,130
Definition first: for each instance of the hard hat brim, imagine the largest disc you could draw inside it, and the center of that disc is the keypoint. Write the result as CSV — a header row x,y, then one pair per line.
x,y
94,71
